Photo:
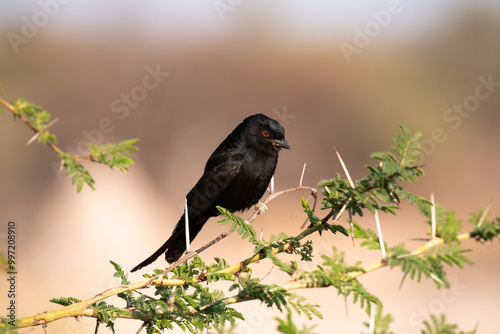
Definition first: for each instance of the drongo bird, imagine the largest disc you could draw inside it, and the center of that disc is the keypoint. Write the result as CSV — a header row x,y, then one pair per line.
x,y
236,176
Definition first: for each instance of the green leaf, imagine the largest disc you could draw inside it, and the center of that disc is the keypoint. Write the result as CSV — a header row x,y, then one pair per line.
x,y
310,214
439,325
114,155
244,229
81,176
65,301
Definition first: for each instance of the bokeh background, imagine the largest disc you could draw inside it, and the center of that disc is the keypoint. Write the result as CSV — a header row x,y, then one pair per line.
x,y
226,60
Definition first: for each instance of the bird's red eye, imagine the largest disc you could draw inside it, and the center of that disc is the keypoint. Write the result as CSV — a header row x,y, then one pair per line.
x,y
265,133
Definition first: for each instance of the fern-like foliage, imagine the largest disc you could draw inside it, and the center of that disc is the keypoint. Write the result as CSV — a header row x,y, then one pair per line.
x,y
485,229
65,301
222,328
334,272
416,266
80,175
38,118
369,237
107,314
244,229
301,306
380,190
114,155
189,309
439,325
447,223
381,323
287,325
270,294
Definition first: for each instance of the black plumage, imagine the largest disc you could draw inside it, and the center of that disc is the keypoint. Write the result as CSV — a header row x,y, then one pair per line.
x,y
236,176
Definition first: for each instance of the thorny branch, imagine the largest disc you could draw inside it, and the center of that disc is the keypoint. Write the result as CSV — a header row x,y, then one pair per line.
x,y
82,308
50,144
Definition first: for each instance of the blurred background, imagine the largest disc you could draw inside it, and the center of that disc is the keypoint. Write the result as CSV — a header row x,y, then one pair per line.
x,y
181,75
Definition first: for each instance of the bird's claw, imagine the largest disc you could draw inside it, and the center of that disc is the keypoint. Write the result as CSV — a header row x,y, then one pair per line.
x,y
261,208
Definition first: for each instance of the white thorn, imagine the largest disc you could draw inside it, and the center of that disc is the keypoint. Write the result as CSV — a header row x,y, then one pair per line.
x,y
352,227
328,191
434,277
380,237
345,169
302,175
271,185
433,217
36,135
54,121
337,217
32,139
186,219
346,307
483,217
371,327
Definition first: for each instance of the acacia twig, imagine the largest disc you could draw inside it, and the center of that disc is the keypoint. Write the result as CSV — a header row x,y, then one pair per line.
x,y
419,251
82,308
38,133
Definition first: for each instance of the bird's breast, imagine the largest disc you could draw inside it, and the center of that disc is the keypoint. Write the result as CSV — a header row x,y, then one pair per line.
x,y
251,182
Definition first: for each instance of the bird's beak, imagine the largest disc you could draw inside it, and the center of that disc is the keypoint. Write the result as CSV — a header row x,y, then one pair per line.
x,y
282,144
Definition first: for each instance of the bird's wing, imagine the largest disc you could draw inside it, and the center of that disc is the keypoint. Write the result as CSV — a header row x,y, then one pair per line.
x,y
220,171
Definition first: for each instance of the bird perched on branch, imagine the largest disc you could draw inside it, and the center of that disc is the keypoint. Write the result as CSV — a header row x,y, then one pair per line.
x,y
236,176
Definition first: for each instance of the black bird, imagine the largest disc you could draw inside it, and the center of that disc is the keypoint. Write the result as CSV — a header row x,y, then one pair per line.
x,y
235,177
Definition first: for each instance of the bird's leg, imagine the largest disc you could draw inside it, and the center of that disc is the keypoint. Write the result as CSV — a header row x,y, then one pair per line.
x,y
261,208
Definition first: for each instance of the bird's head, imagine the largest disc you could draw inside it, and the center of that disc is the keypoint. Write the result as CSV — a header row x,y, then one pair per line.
x,y
265,134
